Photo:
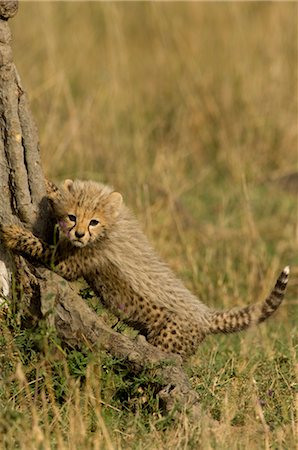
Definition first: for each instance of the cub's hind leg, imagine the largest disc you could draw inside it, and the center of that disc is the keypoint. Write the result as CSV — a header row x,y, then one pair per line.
x,y
178,336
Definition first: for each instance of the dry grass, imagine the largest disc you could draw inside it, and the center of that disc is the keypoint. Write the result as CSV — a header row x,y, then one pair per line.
x,y
188,109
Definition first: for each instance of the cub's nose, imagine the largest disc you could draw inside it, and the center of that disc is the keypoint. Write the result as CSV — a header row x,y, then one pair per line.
x,y
79,234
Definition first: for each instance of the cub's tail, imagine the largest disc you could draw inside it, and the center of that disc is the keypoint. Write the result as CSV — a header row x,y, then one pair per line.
x,y
240,319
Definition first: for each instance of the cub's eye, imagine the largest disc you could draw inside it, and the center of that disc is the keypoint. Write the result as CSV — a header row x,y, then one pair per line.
x,y
72,218
93,222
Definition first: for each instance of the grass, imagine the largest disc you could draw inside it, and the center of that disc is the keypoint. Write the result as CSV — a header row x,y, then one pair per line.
x,y
190,110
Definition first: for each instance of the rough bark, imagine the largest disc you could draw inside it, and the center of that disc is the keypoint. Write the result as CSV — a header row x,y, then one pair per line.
x,y
22,186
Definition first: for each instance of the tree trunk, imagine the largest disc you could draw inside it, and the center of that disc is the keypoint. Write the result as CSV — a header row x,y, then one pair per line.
x,y
44,293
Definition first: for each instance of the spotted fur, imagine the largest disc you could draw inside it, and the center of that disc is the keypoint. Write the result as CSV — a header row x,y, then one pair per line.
x,y
102,242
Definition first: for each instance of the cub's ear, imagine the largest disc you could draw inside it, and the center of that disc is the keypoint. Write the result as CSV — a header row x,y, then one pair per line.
x,y
53,193
67,185
115,201
53,198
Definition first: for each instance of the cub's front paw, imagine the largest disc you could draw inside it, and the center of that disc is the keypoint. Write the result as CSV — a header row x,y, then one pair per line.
x,y
13,235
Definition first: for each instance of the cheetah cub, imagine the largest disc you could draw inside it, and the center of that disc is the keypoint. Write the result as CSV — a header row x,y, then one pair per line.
x,y
100,240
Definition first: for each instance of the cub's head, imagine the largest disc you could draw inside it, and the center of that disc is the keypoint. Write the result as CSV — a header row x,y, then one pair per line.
x,y
85,210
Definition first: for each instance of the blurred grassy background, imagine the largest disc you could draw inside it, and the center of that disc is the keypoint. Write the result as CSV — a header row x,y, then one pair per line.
x,y
190,110
187,108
